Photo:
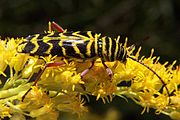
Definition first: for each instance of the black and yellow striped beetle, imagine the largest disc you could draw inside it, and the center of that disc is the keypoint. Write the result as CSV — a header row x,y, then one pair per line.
x,y
79,45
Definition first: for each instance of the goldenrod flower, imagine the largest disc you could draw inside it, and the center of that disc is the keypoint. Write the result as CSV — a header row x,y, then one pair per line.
x,y
60,88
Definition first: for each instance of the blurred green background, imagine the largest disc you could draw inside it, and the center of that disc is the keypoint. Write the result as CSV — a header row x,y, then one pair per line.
x,y
157,19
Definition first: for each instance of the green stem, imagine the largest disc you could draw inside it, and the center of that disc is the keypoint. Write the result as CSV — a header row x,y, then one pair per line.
x,y
14,91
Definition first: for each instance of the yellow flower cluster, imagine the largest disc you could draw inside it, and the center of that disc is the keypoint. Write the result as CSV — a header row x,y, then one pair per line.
x,y
60,87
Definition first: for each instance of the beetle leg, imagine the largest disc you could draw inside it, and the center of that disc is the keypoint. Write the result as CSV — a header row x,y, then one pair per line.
x,y
87,70
108,70
54,64
57,27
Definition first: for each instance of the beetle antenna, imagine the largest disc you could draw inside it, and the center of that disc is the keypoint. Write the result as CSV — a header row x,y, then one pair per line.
x,y
162,81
